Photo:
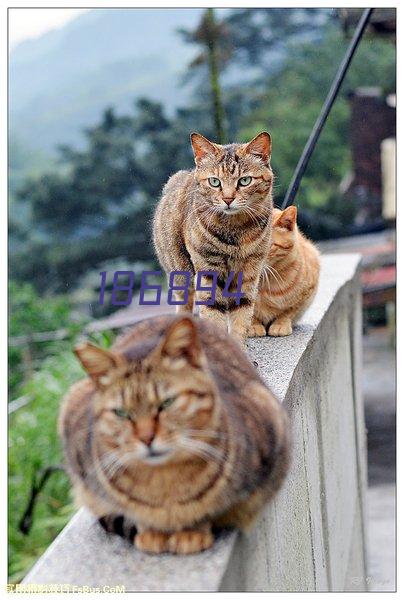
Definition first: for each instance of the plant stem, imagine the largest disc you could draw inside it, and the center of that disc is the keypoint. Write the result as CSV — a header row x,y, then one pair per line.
x,y
218,112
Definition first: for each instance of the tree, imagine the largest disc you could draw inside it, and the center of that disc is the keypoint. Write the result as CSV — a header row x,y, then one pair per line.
x,y
212,37
290,109
262,37
99,206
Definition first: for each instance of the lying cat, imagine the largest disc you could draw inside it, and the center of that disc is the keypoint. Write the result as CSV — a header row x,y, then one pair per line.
x,y
218,218
175,431
289,279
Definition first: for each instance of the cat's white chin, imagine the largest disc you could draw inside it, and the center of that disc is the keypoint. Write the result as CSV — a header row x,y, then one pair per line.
x,y
231,211
156,459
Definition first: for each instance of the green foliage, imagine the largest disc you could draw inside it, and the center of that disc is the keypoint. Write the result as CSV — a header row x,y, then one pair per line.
x,y
34,445
104,200
30,313
261,37
292,101
278,66
102,176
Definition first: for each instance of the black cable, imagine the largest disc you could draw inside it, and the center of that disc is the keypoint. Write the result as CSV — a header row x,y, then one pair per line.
x,y
325,111
26,520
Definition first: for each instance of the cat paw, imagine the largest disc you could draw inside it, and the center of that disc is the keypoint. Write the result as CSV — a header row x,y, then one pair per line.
x,y
257,330
189,542
153,542
280,328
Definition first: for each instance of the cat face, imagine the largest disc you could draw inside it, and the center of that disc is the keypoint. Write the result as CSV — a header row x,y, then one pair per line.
x,y
236,178
153,410
284,230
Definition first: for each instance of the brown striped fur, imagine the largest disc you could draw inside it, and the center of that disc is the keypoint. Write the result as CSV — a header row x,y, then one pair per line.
x,y
289,279
198,227
214,456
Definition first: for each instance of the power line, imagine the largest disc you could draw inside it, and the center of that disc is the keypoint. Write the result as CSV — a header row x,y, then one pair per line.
x,y
325,111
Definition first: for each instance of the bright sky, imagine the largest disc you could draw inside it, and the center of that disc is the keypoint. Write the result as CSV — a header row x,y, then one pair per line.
x,y
25,23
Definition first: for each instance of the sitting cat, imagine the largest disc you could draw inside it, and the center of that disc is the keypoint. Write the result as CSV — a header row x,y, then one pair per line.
x,y
173,432
217,217
289,279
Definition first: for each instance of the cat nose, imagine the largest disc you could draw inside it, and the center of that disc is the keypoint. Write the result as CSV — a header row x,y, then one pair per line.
x,y
228,200
146,430
148,439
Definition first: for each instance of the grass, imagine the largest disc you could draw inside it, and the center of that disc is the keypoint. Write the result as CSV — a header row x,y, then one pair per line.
x,y
34,444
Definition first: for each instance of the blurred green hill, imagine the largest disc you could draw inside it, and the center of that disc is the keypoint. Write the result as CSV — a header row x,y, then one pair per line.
x,y
61,82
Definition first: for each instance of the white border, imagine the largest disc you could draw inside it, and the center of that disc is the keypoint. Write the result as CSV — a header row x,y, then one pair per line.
x,y
3,219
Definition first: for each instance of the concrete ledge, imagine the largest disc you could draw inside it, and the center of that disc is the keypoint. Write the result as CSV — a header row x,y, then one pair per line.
x,y
85,555
311,538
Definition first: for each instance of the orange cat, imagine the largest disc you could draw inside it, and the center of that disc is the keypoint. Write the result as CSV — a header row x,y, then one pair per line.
x,y
173,432
289,280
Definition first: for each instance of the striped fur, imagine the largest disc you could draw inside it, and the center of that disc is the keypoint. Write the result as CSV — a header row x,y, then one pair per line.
x,y
223,440
289,279
201,228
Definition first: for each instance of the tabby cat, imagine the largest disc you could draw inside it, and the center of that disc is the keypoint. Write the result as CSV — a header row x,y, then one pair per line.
x,y
173,432
289,279
217,217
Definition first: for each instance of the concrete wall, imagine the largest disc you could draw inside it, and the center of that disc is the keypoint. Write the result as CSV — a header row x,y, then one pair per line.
x,y
312,536
388,154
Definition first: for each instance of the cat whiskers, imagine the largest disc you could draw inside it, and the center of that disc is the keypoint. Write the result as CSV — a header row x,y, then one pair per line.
x,y
255,219
215,210
210,211
198,208
111,464
264,274
261,215
201,449
211,433
275,274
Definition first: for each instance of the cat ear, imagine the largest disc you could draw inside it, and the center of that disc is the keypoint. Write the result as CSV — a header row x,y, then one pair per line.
x,y
260,146
287,218
182,341
202,147
97,361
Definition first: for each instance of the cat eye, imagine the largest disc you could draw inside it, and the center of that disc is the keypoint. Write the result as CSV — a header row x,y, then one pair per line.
x,y
166,403
121,413
244,181
214,182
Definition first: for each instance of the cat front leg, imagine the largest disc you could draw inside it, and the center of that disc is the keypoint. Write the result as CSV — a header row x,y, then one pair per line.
x,y
241,318
185,307
241,315
225,312
217,311
152,542
190,541
186,295
280,327
186,541
257,328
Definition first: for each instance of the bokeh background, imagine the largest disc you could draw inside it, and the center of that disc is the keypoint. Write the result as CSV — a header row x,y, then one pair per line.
x,y
100,111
